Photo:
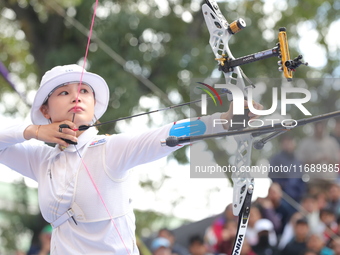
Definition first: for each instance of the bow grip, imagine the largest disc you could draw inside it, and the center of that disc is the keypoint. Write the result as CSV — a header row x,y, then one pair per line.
x,y
240,121
66,140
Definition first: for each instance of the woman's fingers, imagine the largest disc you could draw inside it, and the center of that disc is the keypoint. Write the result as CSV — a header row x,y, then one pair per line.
x,y
67,129
54,133
66,132
67,137
257,106
71,125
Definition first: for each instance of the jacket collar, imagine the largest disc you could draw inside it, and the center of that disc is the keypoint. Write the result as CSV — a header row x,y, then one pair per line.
x,y
83,139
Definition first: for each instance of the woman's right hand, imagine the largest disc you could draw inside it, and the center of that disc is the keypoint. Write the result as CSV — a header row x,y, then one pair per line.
x,y
51,133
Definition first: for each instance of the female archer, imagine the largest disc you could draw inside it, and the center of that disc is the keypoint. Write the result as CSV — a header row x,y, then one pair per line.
x,y
84,189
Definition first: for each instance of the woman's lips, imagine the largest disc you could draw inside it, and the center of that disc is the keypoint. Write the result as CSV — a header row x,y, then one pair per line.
x,y
76,109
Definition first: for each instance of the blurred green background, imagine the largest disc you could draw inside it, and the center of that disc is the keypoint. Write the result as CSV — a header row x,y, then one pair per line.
x,y
149,52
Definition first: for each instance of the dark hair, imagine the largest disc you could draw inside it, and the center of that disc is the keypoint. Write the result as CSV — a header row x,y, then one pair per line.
x,y
259,207
166,230
195,239
301,221
327,211
308,196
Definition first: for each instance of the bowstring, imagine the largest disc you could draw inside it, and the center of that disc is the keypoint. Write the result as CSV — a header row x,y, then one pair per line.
x,y
81,158
86,54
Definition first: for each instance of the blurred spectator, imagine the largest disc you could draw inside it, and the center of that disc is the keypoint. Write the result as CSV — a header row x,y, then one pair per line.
x,y
309,252
160,246
321,199
251,234
261,209
336,131
309,204
288,231
246,249
316,244
299,242
197,246
228,237
268,212
213,234
43,248
320,148
266,237
283,209
19,253
328,219
175,247
266,225
335,245
334,198
290,182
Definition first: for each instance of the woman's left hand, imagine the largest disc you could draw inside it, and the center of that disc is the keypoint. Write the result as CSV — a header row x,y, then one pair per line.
x,y
229,114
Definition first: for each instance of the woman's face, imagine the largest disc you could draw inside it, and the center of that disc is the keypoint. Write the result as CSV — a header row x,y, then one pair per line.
x,y
62,104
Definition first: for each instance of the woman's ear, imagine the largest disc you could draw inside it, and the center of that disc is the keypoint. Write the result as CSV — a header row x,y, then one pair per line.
x,y
44,111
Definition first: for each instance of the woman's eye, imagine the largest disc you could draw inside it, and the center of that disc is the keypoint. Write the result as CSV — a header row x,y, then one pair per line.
x,y
63,93
83,91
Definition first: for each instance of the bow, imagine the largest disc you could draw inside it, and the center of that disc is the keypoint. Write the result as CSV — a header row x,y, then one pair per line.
x,y
220,33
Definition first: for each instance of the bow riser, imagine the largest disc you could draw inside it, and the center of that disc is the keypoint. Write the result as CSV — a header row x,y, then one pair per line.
x,y
220,34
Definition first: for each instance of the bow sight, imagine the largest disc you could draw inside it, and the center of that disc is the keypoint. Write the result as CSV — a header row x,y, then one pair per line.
x,y
227,64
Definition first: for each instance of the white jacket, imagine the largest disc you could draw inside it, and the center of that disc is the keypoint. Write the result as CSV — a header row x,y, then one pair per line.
x,y
64,183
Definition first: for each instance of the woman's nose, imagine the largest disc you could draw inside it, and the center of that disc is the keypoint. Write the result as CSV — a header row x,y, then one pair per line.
x,y
76,97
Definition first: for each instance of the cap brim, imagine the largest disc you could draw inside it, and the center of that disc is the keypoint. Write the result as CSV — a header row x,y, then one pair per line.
x,y
98,84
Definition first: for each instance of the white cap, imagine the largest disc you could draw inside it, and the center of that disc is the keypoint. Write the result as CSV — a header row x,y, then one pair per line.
x,y
65,74
159,242
266,225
